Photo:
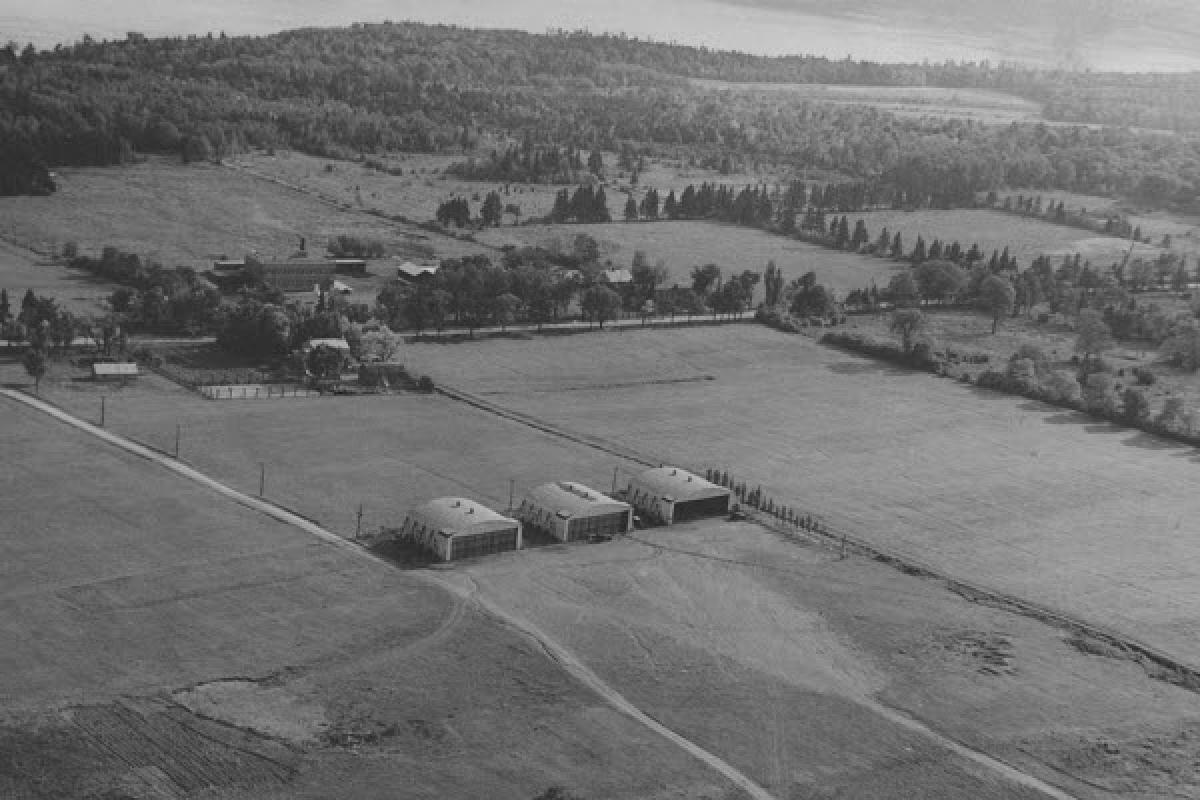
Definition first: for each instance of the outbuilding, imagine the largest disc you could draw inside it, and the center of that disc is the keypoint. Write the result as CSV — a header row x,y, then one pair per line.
x,y
671,494
114,371
572,512
453,528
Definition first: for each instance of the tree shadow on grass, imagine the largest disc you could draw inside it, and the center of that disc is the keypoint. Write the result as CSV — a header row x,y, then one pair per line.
x,y
1149,441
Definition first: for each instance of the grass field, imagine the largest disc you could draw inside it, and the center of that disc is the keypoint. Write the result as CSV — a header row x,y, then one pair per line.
x,y
1046,504
132,598
780,657
192,215
22,270
686,244
981,105
994,230
417,194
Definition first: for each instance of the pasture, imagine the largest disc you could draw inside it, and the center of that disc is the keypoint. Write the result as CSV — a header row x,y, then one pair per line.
x,y
1036,501
980,105
191,215
77,291
682,245
418,192
1026,238
159,640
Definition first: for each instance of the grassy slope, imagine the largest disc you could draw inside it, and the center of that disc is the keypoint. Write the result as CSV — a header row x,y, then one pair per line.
x,y
187,215
21,270
1043,503
120,579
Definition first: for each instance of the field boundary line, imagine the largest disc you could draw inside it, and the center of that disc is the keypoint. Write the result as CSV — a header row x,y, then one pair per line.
x,y
1156,662
555,651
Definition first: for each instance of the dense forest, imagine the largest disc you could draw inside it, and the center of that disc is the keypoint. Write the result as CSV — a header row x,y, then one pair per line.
x,y
409,87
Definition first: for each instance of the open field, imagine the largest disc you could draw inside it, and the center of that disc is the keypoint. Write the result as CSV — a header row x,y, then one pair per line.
x,y
1026,238
417,194
191,215
686,244
159,639
797,667
981,105
1046,504
77,291
324,456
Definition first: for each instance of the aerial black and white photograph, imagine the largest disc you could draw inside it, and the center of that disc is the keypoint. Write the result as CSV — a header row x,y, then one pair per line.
x,y
567,400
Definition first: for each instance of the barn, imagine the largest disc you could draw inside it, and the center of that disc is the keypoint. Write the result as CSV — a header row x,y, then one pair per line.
x,y
671,494
571,512
452,528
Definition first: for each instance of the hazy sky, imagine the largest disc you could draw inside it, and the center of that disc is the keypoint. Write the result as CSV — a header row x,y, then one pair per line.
x,y
1104,34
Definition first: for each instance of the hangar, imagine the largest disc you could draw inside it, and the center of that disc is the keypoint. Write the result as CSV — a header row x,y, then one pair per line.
x,y
671,494
571,512
453,528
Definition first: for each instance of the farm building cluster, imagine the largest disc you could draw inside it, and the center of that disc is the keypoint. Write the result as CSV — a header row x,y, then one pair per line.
x,y
453,528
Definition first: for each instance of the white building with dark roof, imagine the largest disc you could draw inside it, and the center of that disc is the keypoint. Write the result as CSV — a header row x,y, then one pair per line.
x,y
572,512
453,528
671,494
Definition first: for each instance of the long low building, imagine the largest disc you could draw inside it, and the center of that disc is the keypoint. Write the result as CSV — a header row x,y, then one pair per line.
x,y
671,494
453,528
572,512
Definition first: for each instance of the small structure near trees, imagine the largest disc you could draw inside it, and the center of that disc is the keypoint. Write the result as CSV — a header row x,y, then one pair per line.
x,y
573,512
454,528
671,494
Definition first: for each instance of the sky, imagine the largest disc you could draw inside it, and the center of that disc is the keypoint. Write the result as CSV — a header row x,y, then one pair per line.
x,y
1130,35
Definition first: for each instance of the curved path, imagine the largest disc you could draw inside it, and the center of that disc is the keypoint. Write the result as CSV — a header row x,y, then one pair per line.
x,y
559,654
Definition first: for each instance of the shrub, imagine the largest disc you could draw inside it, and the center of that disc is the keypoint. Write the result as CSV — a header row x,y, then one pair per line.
x,y
1145,376
425,383
1135,408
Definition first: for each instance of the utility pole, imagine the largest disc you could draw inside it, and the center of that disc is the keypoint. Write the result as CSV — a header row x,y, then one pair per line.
x,y
177,427
102,411
358,523
614,488
262,477
512,487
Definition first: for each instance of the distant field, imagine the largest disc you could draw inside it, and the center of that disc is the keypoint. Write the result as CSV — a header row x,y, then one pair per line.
x,y
191,215
978,104
1025,237
417,194
131,598
1039,502
22,270
686,244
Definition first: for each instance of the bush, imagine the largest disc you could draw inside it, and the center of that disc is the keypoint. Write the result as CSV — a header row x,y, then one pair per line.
x,y
1145,376
1135,408
779,321
922,356
425,383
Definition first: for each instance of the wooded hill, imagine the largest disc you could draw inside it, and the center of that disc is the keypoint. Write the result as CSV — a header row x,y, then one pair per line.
x,y
409,87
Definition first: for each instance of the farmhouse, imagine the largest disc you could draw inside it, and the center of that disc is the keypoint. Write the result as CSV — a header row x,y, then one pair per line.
x,y
572,512
292,276
670,494
452,528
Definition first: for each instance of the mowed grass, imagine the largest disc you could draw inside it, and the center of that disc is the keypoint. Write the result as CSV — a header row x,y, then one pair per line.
x,y
682,245
1026,238
191,215
1033,500
123,586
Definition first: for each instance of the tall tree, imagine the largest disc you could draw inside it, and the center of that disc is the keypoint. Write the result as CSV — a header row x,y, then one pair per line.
x,y
908,323
996,298
600,303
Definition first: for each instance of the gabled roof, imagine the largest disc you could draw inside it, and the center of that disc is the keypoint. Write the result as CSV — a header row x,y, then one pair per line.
x,y
677,484
412,270
460,516
616,276
574,500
